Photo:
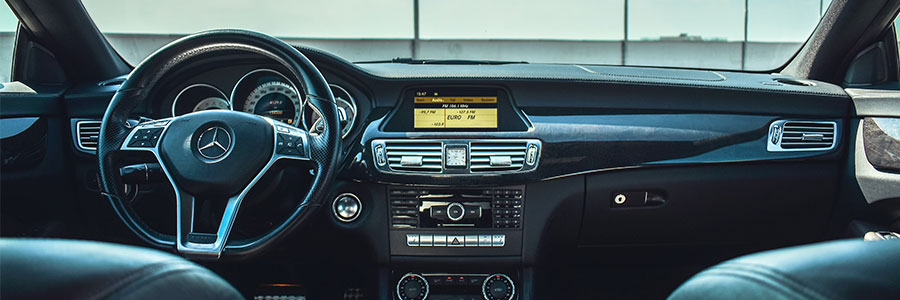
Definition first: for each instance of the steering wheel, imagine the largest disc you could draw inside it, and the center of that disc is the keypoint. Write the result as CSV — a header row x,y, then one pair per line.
x,y
220,154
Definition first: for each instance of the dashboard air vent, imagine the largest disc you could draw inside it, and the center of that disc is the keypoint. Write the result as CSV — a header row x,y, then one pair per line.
x,y
802,135
404,208
88,133
412,155
492,156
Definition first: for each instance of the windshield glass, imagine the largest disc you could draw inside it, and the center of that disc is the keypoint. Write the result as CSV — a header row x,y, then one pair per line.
x,y
756,35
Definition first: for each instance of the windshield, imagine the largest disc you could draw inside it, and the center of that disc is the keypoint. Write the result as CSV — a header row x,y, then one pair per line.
x,y
754,35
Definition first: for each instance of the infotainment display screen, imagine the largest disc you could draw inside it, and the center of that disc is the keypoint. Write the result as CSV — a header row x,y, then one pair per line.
x,y
434,110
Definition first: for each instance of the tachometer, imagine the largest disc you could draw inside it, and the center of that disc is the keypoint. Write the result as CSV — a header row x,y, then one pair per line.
x,y
212,103
276,100
197,97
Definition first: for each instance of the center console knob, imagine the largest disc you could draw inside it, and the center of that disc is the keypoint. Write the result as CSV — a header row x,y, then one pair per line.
x,y
498,287
455,211
412,287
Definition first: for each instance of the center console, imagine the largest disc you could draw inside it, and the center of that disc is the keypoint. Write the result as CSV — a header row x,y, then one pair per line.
x,y
453,223
456,222
438,142
444,286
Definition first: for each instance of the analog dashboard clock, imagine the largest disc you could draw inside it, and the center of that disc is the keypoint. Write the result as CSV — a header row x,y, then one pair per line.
x,y
456,156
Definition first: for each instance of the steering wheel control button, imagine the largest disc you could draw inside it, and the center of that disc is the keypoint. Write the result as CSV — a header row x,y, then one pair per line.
x,y
455,211
145,137
346,207
285,144
498,287
412,287
412,240
498,240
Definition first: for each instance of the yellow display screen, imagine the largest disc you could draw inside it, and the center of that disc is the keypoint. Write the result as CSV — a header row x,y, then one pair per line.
x,y
455,112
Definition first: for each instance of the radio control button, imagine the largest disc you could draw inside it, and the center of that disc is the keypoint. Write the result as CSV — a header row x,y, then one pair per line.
x,y
438,212
455,211
440,240
473,212
425,240
456,241
484,240
498,240
412,240
471,241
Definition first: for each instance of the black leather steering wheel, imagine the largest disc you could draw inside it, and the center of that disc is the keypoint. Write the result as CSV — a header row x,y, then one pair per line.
x,y
218,154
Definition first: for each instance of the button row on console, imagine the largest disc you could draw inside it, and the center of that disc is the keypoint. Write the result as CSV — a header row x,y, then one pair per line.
x,y
440,240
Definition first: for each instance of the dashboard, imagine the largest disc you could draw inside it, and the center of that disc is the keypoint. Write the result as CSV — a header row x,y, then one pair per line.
x,y
459,179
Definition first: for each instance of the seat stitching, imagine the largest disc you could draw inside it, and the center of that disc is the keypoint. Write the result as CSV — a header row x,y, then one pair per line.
x,y
775,275
154,277
105,290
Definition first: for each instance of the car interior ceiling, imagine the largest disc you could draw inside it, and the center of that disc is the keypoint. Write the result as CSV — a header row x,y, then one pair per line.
x,y
585,182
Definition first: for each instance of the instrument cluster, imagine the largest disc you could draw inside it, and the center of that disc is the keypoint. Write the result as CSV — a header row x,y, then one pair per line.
x,y
267,93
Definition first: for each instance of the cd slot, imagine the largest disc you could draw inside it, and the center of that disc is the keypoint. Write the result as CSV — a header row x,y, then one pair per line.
x,y
465,208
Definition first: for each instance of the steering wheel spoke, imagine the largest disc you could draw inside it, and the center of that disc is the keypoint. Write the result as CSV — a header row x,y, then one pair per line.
x,y
291,143
198,244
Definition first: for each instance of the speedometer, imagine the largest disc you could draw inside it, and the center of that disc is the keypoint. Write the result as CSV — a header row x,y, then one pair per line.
x,y
276,100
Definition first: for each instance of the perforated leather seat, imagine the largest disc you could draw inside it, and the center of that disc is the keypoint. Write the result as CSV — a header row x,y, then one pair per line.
x,y
65,269
832,270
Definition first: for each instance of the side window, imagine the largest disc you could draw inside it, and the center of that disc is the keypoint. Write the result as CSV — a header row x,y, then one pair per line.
x,y
8,24
897,32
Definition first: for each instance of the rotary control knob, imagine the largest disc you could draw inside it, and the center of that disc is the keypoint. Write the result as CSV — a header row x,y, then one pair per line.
x,y
412,287
498,287
346,207
455,211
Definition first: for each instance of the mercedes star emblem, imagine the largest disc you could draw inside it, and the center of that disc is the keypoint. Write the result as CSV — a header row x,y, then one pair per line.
x,y
214,143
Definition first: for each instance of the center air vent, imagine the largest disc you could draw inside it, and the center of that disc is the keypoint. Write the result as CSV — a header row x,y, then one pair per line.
x,y
456,156
419,156
498,156
87,135
801,136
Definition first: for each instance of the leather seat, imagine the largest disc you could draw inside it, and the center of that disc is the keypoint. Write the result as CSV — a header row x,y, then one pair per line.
x,y
832,270
65,269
